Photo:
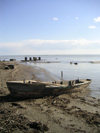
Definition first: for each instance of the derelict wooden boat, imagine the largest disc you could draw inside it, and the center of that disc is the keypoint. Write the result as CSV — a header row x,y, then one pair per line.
x,y
32,88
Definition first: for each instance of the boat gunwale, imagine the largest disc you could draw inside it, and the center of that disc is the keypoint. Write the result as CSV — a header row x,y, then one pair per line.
x,y
50,84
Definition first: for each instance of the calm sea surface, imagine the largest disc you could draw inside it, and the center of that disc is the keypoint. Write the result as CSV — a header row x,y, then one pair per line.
x,y
83,70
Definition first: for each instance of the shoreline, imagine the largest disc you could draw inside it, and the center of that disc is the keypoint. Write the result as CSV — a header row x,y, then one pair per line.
x,y
76,112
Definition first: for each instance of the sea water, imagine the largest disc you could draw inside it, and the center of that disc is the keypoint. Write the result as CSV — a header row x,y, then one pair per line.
x,y
59,63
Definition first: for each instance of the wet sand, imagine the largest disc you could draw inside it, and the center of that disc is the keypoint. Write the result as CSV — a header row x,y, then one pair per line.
x,y
67,113
95,62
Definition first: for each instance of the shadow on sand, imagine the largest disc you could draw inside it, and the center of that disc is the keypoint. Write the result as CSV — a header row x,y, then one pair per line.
x,y
10,98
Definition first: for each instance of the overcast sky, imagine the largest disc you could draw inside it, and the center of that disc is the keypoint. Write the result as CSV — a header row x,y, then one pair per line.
x,y
49,27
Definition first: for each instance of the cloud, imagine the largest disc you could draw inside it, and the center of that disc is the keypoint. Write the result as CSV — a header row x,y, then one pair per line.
x,y
92,27
76,18
37,46
55,18
97,19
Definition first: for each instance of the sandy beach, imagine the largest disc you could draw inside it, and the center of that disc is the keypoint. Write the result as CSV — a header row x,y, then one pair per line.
x,y
67,113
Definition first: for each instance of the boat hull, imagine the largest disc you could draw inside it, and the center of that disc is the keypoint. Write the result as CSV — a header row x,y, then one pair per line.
x,y
41,90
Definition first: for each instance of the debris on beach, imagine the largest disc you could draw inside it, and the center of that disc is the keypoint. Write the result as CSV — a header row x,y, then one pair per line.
x,y
11,66
38,126
11,122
